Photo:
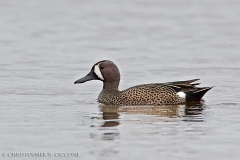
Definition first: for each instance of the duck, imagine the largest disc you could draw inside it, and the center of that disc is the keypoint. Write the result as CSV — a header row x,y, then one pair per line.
x,y
169,93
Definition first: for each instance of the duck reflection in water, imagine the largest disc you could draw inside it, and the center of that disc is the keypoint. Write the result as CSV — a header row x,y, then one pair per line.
x,y
188,112
110,118
111,115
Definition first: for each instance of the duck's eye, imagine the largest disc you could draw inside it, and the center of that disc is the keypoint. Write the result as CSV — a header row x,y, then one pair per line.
x,y
101,67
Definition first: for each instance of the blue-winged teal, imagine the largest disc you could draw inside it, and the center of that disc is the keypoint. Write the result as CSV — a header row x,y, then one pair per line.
x,y
147,94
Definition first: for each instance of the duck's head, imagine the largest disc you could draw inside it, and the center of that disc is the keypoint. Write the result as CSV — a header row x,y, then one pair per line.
x,y
105,71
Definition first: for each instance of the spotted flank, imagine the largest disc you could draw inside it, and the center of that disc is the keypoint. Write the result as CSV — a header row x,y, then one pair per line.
x,y
179,92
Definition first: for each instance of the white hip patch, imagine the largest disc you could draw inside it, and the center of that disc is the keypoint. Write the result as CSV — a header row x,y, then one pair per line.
x,y
98,72
181,94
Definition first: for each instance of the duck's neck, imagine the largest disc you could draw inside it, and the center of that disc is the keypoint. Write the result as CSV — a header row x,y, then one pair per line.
x,y
110,86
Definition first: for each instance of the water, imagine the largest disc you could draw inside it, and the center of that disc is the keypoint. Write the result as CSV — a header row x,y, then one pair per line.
x,y
47,45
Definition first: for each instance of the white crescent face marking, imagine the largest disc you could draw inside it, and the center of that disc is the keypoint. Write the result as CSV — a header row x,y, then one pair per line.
x,y
98,72
181,94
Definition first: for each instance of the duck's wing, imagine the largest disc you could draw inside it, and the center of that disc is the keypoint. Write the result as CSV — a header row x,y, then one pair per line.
x,y
179,85
192,93
184,82
186,89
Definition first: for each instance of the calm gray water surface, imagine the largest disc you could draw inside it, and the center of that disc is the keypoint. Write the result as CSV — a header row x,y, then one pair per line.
x,y
46,45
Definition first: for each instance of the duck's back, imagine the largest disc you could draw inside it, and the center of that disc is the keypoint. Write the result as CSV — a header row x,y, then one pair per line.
x,y
155,94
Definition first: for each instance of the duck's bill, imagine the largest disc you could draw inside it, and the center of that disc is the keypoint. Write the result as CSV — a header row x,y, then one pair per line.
x,y
90,76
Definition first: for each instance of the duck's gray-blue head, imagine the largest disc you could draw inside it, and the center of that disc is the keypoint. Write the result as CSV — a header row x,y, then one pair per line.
x,y
105,71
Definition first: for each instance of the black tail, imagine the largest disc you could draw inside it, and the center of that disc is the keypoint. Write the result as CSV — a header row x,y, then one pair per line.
x,y
196,95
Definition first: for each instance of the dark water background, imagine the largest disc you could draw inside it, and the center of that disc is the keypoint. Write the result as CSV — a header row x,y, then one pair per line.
x,y
45,45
